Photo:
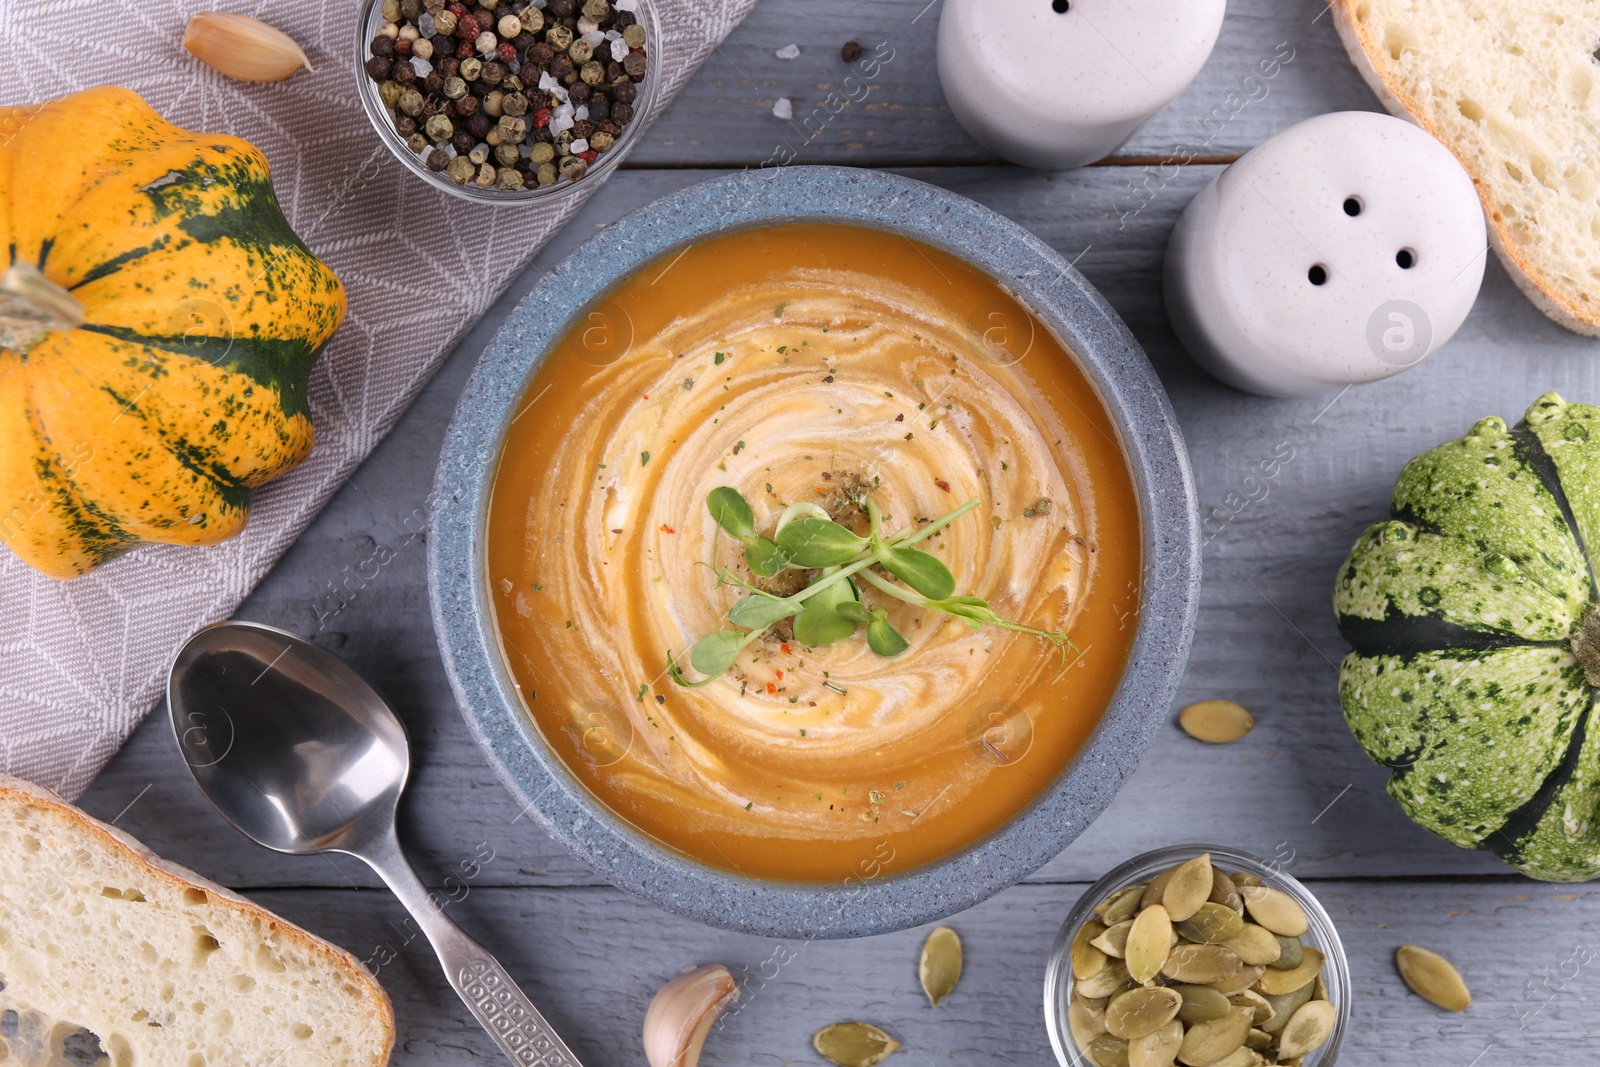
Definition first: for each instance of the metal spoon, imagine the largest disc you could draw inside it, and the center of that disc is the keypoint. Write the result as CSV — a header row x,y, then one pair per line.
x,y
300,753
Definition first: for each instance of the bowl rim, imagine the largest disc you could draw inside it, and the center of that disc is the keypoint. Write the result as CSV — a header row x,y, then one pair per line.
x,y
1109,356
370,17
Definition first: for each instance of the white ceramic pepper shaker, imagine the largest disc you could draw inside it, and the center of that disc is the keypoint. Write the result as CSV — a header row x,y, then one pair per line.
x,y
1062,83
1341,250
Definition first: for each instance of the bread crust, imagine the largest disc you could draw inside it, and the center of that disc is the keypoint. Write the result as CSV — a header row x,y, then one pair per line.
x,y
16,791
1524,272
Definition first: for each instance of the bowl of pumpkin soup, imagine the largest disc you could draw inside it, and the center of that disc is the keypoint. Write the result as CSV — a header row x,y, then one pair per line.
x,y
815,552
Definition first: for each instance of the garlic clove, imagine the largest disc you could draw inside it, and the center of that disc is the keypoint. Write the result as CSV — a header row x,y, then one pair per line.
x,y
242,47
681,1013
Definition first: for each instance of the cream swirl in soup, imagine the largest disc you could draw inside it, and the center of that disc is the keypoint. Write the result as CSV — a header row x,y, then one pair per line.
x,y
811,363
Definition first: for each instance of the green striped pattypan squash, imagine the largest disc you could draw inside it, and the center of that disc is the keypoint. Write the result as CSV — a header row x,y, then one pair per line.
x,y
1477,640
158,321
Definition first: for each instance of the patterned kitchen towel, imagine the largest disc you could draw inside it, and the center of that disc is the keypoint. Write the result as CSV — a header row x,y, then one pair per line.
x,y
82,662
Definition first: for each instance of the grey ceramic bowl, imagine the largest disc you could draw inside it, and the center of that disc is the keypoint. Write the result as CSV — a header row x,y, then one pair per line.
x,y
1108,354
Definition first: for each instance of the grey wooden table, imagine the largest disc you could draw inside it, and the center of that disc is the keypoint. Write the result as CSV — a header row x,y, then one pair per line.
x,y
1297,788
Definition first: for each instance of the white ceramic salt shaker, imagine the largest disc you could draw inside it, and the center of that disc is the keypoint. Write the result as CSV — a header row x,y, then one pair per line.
x,y
1062,83
1342,250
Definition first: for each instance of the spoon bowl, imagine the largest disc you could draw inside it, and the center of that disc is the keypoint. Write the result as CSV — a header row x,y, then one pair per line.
x,y
288,742
302,755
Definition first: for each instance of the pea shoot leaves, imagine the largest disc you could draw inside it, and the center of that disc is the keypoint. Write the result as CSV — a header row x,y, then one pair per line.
x,y
732,513
920,571
828,609
814,542
761,610
820,622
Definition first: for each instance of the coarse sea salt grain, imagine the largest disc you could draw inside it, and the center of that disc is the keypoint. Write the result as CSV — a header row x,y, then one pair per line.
x,y
581,113
580,144
425,24
619,50
789,51
421,66
782,108
594,38
553,87
620,5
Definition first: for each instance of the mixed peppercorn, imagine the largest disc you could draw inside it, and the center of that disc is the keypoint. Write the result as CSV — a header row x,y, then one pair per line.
x,y
509,94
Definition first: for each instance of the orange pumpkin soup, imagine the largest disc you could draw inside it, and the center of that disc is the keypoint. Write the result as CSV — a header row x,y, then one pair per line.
x,y
811,362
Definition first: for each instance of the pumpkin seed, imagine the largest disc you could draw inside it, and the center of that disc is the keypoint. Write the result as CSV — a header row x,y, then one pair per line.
x,y
1212,924
1114,942
1085,1021
1188,887
1307,1029
854,1044
1159,1048
1097,1003
1292,951
1283,1007
1247,977
1256,946
1243,879
1258,1040
1121,905
1224,892
1201,964
1239,1057
1141,1011
1149,942
1249,998
941,964
1280,982
1201,1004
1087,961
1216,721
1432,977
1275,909
1206,1043
1158,885
1108,1051
1107,981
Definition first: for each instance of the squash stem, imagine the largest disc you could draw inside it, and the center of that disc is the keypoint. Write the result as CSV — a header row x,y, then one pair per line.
x,y
1585,643
32,307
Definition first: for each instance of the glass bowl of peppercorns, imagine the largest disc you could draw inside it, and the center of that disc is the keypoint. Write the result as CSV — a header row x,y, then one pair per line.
x,y
508,101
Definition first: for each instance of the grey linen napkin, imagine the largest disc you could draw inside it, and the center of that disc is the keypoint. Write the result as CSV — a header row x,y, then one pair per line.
x,y
83,662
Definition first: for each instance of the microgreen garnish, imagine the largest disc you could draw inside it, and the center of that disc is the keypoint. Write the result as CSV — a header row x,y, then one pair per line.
x,y
829,609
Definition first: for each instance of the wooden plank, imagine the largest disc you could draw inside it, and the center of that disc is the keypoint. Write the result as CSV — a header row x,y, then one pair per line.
x,y
899,118
592,958
1266,635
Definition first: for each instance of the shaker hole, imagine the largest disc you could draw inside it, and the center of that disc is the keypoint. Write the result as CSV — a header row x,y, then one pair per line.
x,y
1061,7
1406,258
1352,206
1318,274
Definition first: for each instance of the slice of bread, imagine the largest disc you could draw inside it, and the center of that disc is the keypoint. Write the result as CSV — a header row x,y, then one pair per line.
x,y
1512,87
165,968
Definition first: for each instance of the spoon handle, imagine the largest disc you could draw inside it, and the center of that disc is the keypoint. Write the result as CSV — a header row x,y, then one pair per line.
x,y
500,1007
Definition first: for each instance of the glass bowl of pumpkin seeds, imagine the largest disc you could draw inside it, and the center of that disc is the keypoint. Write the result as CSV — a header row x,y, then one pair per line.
x,y
1197,955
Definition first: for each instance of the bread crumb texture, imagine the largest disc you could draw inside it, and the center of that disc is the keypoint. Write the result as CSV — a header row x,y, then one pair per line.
x,y
1511,88
109,957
